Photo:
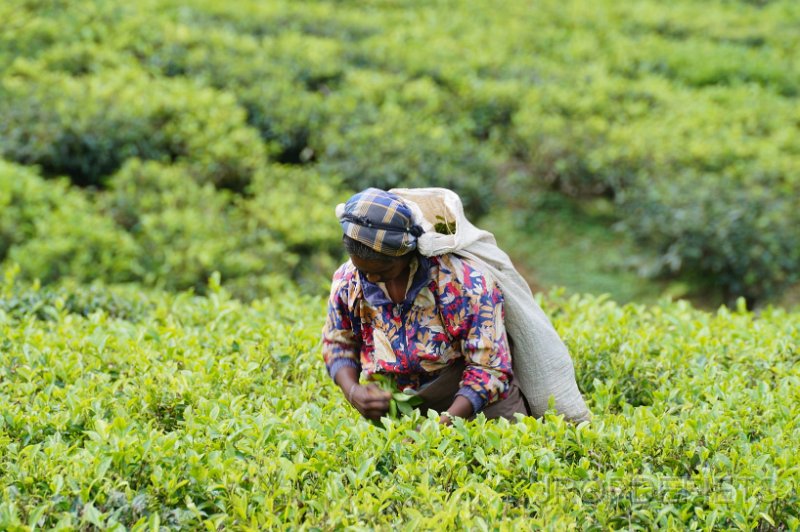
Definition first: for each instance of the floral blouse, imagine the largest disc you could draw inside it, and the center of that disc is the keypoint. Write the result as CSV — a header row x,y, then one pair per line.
x,y
451,310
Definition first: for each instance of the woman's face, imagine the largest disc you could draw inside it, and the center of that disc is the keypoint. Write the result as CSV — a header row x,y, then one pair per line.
x,y
381,271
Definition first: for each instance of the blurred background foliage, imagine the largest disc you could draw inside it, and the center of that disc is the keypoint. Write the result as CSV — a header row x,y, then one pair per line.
x,y
638,148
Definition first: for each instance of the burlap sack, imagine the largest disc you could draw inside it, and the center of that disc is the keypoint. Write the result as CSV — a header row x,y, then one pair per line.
x,y
541,362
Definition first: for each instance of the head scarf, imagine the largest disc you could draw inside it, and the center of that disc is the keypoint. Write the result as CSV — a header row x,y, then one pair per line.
x,y
381,221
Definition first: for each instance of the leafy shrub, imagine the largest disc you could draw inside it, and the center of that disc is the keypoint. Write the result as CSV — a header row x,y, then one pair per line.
x,y
283,230
744,240
698,62
491,106
28,29
601,135
53,232
19,301
80,59
296,207
23,200
87,127
598,100
288,118
279,80
396,150
259,19
186,230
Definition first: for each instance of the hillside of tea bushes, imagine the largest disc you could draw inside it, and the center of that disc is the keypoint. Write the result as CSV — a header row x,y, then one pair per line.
x,y
126,409
206,135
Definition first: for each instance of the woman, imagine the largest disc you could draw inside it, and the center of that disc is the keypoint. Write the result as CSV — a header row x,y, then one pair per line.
x,y
435,324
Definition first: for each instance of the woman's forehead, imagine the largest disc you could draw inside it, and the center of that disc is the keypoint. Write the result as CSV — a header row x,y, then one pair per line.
x,y
378,265
373,265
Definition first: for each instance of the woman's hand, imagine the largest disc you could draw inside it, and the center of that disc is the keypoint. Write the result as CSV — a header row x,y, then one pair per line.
x,y
461,407
370,401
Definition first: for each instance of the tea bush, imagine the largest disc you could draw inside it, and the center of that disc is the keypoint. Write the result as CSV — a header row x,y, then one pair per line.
x,y
128,407
54,232
48,303
87,127
295,206
155,224
681,108
686,185
281,231
395,149
276,80
206,412
744,240
186,231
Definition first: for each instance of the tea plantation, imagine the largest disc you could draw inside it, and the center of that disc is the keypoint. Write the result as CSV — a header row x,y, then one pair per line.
x,y
122,409
168,174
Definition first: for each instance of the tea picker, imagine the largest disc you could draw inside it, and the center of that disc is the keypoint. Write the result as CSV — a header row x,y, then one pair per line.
x,y
430,305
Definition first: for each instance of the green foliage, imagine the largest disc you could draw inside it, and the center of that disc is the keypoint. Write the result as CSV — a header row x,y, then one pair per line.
x,y
745,240
155,224
396,149
126,408
574,244
400,403
673,110
705,179
444,226
51,303
87,127
282,230
296,207
206,412
277,80
52,231
387,131
186,231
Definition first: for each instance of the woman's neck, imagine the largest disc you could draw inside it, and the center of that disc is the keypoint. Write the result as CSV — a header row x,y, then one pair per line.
x,y
397,286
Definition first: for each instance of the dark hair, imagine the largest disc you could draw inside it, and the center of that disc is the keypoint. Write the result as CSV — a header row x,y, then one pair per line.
x,y
356,249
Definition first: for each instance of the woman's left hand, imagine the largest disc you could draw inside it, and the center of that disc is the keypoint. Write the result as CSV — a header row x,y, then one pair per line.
x,y
461,407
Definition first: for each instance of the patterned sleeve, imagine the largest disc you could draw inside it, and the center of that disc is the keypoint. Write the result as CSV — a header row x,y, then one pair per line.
x,y
340,342
479,313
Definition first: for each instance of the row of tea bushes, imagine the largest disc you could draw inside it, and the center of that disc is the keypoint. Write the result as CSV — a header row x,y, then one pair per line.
x,y
156,225
704,180
86,127
206,412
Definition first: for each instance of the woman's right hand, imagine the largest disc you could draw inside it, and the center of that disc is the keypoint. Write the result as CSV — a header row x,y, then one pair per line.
x,y
370,401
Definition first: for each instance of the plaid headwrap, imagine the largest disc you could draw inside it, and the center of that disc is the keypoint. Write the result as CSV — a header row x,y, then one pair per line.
x,y
381,221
